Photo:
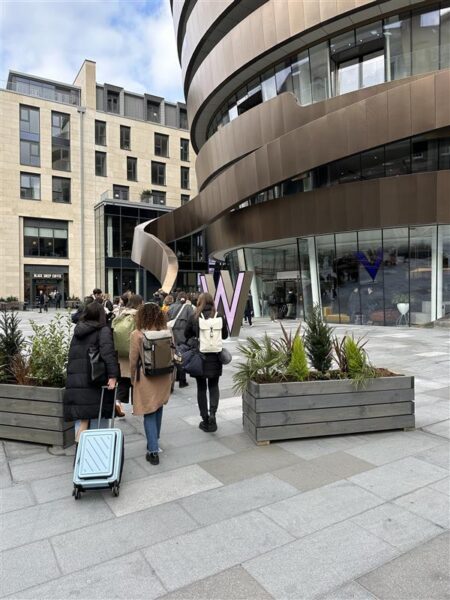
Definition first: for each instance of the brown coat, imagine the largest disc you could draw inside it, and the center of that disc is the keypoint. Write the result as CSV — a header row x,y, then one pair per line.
x,y
149,393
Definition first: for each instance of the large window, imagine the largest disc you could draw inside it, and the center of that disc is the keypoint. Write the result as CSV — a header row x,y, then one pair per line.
x,y
184,149
158,197
112,102
100,164
121,192
153,112
158,173
60,141
185,198
413,42
161,145
100,133
61,190
29,136
131,168
30,186
184,178
183,119
125,137
45,238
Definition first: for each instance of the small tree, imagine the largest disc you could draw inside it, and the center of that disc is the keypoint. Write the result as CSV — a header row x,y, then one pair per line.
x,y
50,351
359,367
11,341
318,341
298,366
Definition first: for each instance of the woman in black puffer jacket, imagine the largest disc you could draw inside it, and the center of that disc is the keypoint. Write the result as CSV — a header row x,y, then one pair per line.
x,y
212,367
81,399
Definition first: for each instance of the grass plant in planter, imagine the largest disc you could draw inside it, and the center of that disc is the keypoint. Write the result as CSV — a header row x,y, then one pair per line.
x,y
291,390
32,376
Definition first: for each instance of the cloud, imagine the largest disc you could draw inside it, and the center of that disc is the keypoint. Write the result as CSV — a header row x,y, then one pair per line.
x,y
132,42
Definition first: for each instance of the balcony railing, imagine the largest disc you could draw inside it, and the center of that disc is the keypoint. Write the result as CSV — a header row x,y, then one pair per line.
x,y
143,197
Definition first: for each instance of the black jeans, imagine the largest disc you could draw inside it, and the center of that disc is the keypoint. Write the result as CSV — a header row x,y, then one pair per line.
x,y
212,383
181,374
123,389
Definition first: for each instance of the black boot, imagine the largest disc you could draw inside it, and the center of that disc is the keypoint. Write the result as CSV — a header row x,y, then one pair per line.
x,y
212,423
204,425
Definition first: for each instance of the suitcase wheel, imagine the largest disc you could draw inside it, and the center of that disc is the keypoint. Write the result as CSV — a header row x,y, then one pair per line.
x,y
76,493
115,489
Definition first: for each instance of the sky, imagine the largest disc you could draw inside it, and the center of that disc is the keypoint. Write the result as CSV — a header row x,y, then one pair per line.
x,y
132,42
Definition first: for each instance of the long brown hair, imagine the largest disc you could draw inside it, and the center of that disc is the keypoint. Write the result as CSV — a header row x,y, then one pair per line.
x,y
205,300
150,316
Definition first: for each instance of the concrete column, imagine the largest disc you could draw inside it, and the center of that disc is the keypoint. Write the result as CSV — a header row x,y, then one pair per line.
x,y
314,271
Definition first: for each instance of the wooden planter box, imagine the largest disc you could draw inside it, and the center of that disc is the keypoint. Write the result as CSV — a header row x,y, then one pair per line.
x,y
34,414
282,411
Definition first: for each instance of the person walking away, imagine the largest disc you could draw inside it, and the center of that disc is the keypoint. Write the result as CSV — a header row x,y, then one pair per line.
x,y
167,303
150,393
46,301
123,326
291,302
82,399
180,312
58,297
41,301
248,311
273,307
212,366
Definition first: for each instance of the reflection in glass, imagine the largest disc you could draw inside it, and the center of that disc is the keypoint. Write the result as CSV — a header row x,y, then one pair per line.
x,y
445,36
425,42
347,277
396,272
421,243
348,76
283,78
424,154
397,32
398,158
370,275
327,277
444,153
372,163
320,71
301,78
443,265
372,69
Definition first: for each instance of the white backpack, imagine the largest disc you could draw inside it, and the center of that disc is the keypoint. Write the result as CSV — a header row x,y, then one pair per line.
x,y
210,334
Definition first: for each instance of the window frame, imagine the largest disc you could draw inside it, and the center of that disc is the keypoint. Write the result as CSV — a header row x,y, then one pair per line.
x,y
184,171
99,153
61,191
156,164
38,177
96,138
159,139
131,160
184,151
124,129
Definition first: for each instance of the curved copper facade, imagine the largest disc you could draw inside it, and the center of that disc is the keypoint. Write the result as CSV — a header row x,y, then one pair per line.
x,y
279,139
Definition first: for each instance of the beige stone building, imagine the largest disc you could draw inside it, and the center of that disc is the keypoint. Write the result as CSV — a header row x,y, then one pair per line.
x,y
81,165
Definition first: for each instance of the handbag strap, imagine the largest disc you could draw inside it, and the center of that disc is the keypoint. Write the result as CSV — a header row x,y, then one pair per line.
x,y
178,314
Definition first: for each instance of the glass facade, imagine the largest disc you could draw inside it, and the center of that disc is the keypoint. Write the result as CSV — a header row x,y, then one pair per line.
x,y
42,237
393,48
427,152
30,151
394,276
116,272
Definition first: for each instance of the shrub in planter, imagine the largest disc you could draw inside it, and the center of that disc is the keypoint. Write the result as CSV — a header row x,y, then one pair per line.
x,y
284,397
50,351
12,342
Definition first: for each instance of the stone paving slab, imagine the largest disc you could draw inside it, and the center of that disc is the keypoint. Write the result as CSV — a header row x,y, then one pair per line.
x,y
318,563
158,489
5,476
398,478
341,464
351,591
27,471
441,429
397,526
442,486
398,445
185,559
248,463
421,573
16,497
26,566
129,576
429,504
315,447
46,520
101,542
438,455
231,500
311,511
233,583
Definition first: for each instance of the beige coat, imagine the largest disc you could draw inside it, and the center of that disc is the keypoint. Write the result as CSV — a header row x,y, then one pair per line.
x,y
124,360
149,393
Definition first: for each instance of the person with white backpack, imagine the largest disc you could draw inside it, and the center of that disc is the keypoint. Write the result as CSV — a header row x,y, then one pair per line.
x,y
210,329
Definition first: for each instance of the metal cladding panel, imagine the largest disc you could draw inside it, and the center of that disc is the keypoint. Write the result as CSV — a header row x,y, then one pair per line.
x,y
442,90
399,112
423,106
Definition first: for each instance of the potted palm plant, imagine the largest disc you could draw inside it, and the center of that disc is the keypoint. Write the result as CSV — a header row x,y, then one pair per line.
x,y
316,385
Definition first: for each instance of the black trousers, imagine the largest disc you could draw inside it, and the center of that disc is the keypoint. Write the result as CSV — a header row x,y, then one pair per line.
x,y
123,389
181,374
212,384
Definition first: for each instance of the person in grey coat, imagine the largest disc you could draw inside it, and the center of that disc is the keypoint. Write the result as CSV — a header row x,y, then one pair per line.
x,y
180,311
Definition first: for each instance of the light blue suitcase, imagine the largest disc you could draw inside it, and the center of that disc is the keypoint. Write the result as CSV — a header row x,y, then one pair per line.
x,y
99,459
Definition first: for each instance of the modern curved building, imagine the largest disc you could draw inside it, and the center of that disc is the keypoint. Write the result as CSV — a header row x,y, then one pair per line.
x,y
323,137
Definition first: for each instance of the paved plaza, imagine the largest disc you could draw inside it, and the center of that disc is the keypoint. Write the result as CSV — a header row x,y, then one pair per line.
x,y
338,518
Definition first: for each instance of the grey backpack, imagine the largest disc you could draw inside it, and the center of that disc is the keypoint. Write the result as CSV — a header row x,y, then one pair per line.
x,y
157,353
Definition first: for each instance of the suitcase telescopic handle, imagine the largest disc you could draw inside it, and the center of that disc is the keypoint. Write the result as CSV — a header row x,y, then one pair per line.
x,y
105,387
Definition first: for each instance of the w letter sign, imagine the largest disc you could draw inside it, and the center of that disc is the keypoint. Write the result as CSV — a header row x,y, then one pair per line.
x,y
228,301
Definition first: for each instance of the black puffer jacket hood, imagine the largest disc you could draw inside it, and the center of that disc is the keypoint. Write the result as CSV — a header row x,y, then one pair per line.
x,y
85,328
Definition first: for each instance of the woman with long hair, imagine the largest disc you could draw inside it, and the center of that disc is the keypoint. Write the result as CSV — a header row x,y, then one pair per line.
x,y
149,393
81,398
212,366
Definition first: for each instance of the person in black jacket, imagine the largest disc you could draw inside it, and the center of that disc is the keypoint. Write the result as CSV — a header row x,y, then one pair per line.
x,y
180,311
212,365
81,399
